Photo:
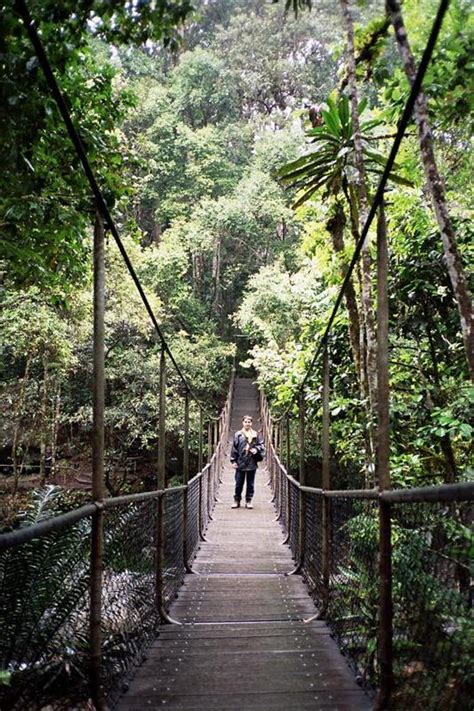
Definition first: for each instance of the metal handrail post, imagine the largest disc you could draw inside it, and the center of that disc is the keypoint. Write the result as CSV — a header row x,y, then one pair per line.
x,y
209,441
200,440
162,423
97,533
326,485
302,481
186,439
185,481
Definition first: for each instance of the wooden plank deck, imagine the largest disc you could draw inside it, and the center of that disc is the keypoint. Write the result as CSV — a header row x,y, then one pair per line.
x,y
243,643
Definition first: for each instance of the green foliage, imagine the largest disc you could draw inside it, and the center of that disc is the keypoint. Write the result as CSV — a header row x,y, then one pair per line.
x,y
45,206
43,584
331,165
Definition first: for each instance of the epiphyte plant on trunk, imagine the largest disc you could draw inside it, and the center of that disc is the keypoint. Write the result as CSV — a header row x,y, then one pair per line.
x,y
330,166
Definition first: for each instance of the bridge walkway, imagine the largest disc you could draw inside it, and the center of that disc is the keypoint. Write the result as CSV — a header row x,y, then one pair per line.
x,y
243,643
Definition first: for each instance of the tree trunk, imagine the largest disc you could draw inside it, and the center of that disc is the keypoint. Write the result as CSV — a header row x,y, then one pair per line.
x,y
44,423
335,227
361,190
216,275
55,429
436,187
16,430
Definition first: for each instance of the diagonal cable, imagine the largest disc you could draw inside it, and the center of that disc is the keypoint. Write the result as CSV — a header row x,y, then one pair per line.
x,y
378,197
23,11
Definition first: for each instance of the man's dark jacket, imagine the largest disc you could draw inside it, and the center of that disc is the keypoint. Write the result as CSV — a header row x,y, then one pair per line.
x,y
241,454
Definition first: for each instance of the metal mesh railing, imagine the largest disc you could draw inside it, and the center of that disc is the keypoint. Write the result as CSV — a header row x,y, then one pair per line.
x,y
284,505
130,617
204,503
147,542
352,607
173,545
294,518
430,572
313,544
192,522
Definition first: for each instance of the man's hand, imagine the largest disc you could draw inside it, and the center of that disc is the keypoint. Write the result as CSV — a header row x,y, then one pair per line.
x,y
253,451
234,464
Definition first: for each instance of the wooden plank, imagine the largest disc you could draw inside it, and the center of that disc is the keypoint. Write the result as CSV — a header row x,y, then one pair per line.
x,y
343,701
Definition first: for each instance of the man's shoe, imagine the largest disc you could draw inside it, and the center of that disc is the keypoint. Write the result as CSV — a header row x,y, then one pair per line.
x,y
235,505
248,505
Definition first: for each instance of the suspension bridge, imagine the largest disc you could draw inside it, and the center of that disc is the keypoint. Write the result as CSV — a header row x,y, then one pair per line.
x,y
317,598
244,642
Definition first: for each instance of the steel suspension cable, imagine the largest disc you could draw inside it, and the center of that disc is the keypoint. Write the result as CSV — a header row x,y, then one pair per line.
x,y
109,223
378,197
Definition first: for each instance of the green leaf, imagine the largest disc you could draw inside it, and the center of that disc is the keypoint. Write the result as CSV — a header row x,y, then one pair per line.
x,y
331,123
344,110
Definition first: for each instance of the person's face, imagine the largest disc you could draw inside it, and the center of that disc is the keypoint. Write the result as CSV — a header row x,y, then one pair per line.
x,y
247,423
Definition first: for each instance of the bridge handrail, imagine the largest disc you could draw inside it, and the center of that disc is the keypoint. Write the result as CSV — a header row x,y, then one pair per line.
x,y
149,541
336,537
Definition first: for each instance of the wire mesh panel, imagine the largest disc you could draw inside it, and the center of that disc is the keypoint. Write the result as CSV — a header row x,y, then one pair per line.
x,y
212,485
284,501
44,620
294,517
204,500
192,524
313,543
354,588
276,485
432,597
173,548
129,612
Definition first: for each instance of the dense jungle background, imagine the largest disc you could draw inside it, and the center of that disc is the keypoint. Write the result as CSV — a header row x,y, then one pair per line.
x,y
223,138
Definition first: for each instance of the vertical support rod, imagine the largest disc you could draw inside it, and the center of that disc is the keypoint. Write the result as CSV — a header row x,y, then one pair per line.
x,y
97,535
186,439
215,433
200,440
209,441
162,423
159,554
302,512
288,485
326,484
385,632
185,480
301,437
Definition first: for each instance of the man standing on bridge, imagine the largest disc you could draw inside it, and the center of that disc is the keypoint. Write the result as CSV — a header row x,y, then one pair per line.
x,y
247,450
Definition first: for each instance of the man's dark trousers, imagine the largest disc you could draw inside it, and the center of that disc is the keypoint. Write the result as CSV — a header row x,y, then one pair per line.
x,y
240,476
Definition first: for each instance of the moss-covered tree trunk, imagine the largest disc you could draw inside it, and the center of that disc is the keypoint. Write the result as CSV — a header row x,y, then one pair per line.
x,y
361,195
437,190
335,226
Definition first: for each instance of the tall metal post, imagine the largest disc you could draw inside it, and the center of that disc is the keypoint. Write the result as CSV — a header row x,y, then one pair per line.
x,y
301,437
209,441
385,632
97,535
200,439
288,469
302,512
186,439
185,481
162,423
326,485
